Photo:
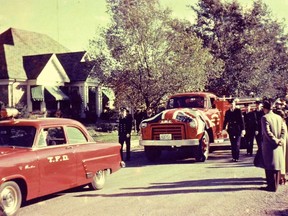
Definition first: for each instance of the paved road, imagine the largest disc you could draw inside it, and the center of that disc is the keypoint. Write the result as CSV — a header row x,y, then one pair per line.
x,y
172,186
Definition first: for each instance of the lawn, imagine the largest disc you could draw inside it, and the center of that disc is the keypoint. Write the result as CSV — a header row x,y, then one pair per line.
x,y
108,137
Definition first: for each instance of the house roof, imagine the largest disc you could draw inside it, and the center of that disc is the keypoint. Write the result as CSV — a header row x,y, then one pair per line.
x,y
16,43
81,71
70,62
24,54
33,65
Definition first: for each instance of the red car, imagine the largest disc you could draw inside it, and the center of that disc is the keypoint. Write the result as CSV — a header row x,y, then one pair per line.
x,y
47,155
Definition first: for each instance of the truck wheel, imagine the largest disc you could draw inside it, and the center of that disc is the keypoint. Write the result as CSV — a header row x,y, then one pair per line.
x,y
152,153
10,197
98,180
203,150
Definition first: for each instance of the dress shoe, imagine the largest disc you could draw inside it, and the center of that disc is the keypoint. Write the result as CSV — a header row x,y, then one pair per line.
x,y
282,181
267,189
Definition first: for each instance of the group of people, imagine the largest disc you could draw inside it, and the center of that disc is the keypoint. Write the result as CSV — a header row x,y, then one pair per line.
x,y
266,124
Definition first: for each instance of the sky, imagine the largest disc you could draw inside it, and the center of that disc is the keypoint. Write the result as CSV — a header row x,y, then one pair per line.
x,y
73,22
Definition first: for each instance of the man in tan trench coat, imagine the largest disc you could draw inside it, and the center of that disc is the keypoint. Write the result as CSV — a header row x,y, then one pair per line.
x,y
274,134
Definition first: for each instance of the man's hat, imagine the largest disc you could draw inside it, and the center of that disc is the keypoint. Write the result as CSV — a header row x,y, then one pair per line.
x,y
230,100
267,104
123,108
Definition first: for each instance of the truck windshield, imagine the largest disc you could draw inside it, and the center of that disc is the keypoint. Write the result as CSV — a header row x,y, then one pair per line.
x,y
20,136
186,102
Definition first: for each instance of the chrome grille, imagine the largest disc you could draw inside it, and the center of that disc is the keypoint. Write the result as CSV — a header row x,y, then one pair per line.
x,y
177,131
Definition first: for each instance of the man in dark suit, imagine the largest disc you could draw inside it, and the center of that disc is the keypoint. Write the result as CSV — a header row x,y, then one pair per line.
x,y
251,125
236,128
274,134
124,131
259,113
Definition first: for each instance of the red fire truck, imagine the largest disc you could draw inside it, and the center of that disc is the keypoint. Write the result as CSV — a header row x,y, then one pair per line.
x,y
192,122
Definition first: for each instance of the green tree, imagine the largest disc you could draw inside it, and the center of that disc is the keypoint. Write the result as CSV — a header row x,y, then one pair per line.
x,y
149,55
251,44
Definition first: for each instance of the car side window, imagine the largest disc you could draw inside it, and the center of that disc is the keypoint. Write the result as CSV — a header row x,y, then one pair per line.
x,y
51,136
212,101
42,139
75,135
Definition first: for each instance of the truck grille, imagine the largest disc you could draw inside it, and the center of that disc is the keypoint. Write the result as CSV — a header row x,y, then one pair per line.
x,y
177,131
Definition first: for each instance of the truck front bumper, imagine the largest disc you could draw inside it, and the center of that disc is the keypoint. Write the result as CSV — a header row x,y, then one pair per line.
x,y
174,143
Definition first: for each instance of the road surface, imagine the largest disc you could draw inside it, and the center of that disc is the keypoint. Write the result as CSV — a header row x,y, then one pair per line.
x,y
172,186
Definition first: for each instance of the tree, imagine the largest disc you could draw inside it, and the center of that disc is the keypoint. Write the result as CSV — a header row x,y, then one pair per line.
x,y
251,45
149,55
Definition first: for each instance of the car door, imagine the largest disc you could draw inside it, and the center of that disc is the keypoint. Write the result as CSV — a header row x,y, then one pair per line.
x,y
84,151
56,161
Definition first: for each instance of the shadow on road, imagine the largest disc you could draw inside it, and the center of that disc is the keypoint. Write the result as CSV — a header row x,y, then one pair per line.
x,y
194,186
219,159
280,212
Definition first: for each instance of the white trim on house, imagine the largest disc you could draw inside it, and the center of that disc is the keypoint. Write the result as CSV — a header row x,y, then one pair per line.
x,y
53,73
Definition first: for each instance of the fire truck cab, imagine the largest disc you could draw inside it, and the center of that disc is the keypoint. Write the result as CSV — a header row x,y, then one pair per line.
x,y
192,121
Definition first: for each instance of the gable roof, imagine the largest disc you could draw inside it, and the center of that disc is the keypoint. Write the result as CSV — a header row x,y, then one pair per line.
x,y
70,61
16,43
33,65
31,42
81,71
74,67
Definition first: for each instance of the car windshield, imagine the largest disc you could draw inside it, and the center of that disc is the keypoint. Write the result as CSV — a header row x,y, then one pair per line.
x,y
186,102
20,136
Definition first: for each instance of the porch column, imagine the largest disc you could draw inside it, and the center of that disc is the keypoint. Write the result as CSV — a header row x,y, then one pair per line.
x,y
82,92
10,94
98,94
29,99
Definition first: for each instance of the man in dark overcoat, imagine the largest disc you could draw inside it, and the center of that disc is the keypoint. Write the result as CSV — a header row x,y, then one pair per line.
x,y
259,113
124,131
235,127
251,125
274,134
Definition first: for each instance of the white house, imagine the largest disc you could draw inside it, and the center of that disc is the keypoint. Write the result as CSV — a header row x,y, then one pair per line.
x,y
40,74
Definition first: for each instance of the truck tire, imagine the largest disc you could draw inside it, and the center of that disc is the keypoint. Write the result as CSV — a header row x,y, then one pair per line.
x,y
203,149
152,152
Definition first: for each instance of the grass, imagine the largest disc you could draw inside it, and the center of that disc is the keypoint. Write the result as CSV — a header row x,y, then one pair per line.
x,y
108,137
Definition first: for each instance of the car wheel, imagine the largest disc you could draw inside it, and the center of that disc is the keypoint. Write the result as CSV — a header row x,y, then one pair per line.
x,y
152,153
203,150
98,180
10,197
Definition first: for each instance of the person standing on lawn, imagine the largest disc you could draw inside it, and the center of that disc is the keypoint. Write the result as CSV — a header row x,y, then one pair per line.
x,y
124,131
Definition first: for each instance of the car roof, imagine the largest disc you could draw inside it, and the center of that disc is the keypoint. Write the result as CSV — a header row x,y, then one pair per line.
x,y
40,122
